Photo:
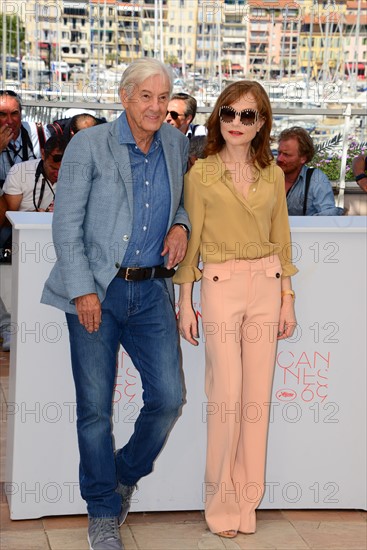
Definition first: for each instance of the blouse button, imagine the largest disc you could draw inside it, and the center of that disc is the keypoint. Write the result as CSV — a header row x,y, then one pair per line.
x,y
215,278
277,275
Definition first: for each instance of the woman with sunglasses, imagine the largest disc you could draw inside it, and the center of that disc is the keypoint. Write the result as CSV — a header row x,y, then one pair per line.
x,y
236,202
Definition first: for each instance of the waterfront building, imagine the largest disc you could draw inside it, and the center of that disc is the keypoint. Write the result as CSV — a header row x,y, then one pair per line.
x,y
261,38
355,30
180,43
322,40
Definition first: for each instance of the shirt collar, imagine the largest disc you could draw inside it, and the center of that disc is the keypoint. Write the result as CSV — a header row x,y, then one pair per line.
x,y
17,142
301,176
302,173
189,131
125,135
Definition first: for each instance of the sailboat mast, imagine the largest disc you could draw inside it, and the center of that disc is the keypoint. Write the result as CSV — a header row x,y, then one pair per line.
x,y
325,65
18,49
271,27
161,49
219,49
156,28
104,34
309,53
355,53
4,47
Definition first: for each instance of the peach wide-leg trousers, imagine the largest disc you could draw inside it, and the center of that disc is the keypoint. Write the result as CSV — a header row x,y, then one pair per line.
x,y
240,313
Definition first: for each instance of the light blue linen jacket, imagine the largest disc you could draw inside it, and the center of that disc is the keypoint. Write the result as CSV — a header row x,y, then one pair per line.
x,y
92,220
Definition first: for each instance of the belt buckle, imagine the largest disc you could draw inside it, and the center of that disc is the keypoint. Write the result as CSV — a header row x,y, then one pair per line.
x,y
128,271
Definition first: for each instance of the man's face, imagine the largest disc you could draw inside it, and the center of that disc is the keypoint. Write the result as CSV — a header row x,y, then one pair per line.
x,y
181,122
10,114
51,165
146,105
289,159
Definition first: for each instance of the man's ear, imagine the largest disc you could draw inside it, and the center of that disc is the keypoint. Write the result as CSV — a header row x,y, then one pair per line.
x,y
303,160
123,97
189,119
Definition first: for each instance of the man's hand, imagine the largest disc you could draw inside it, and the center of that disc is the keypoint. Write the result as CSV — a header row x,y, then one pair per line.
x,y
89,312
6,134
175,244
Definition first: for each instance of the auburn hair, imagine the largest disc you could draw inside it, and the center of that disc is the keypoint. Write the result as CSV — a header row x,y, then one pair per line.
x,y
260,146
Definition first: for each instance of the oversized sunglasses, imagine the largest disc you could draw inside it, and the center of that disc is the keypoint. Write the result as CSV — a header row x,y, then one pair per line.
x,y
248,117
174,114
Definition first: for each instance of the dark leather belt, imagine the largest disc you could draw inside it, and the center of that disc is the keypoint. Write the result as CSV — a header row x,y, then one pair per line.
x,y
144,273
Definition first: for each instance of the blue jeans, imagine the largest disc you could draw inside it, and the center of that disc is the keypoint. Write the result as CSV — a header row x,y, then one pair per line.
x,y
141,317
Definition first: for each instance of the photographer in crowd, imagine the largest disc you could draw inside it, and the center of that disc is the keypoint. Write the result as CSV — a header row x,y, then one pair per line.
x,y
19,141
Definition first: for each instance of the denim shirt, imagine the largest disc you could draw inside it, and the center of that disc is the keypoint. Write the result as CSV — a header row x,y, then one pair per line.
x,y
152,200
320,199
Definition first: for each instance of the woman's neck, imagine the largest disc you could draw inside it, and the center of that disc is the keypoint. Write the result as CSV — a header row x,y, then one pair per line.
x,y
230,154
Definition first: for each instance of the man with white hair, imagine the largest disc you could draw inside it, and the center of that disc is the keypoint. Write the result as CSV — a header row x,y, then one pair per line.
x,y
120,193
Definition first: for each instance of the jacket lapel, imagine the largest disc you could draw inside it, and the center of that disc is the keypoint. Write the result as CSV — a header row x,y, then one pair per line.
x,y
121,157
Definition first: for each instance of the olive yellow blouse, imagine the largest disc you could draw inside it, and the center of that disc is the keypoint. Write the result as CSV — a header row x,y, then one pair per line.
x,y
227,226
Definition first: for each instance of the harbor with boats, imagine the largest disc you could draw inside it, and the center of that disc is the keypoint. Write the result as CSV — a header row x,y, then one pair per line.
x,y
67,59
309,56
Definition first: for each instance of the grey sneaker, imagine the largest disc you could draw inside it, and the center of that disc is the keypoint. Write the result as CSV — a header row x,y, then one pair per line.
x,y
126,492
104,534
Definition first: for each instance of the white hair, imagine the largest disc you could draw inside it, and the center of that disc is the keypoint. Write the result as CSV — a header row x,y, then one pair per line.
x,y
140,70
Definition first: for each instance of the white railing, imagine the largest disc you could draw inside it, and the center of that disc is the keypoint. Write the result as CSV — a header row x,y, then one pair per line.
x,y
352,122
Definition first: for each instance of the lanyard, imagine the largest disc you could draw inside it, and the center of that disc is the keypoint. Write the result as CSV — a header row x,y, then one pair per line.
x,y
40,171
26,143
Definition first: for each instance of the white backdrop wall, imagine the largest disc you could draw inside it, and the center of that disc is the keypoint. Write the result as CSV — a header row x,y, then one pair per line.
x,y
317,436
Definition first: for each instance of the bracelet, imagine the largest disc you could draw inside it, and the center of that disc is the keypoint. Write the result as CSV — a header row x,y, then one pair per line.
x,y
288,292
360,177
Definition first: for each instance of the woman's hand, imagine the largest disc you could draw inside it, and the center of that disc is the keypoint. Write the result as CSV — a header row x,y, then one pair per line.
x,y
287,319
188,324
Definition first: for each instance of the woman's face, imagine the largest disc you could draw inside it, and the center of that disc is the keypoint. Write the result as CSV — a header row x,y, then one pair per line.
x,y
234,131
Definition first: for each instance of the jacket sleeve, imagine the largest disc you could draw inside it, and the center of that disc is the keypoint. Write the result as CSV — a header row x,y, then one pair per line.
x,y
181,216
73,189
